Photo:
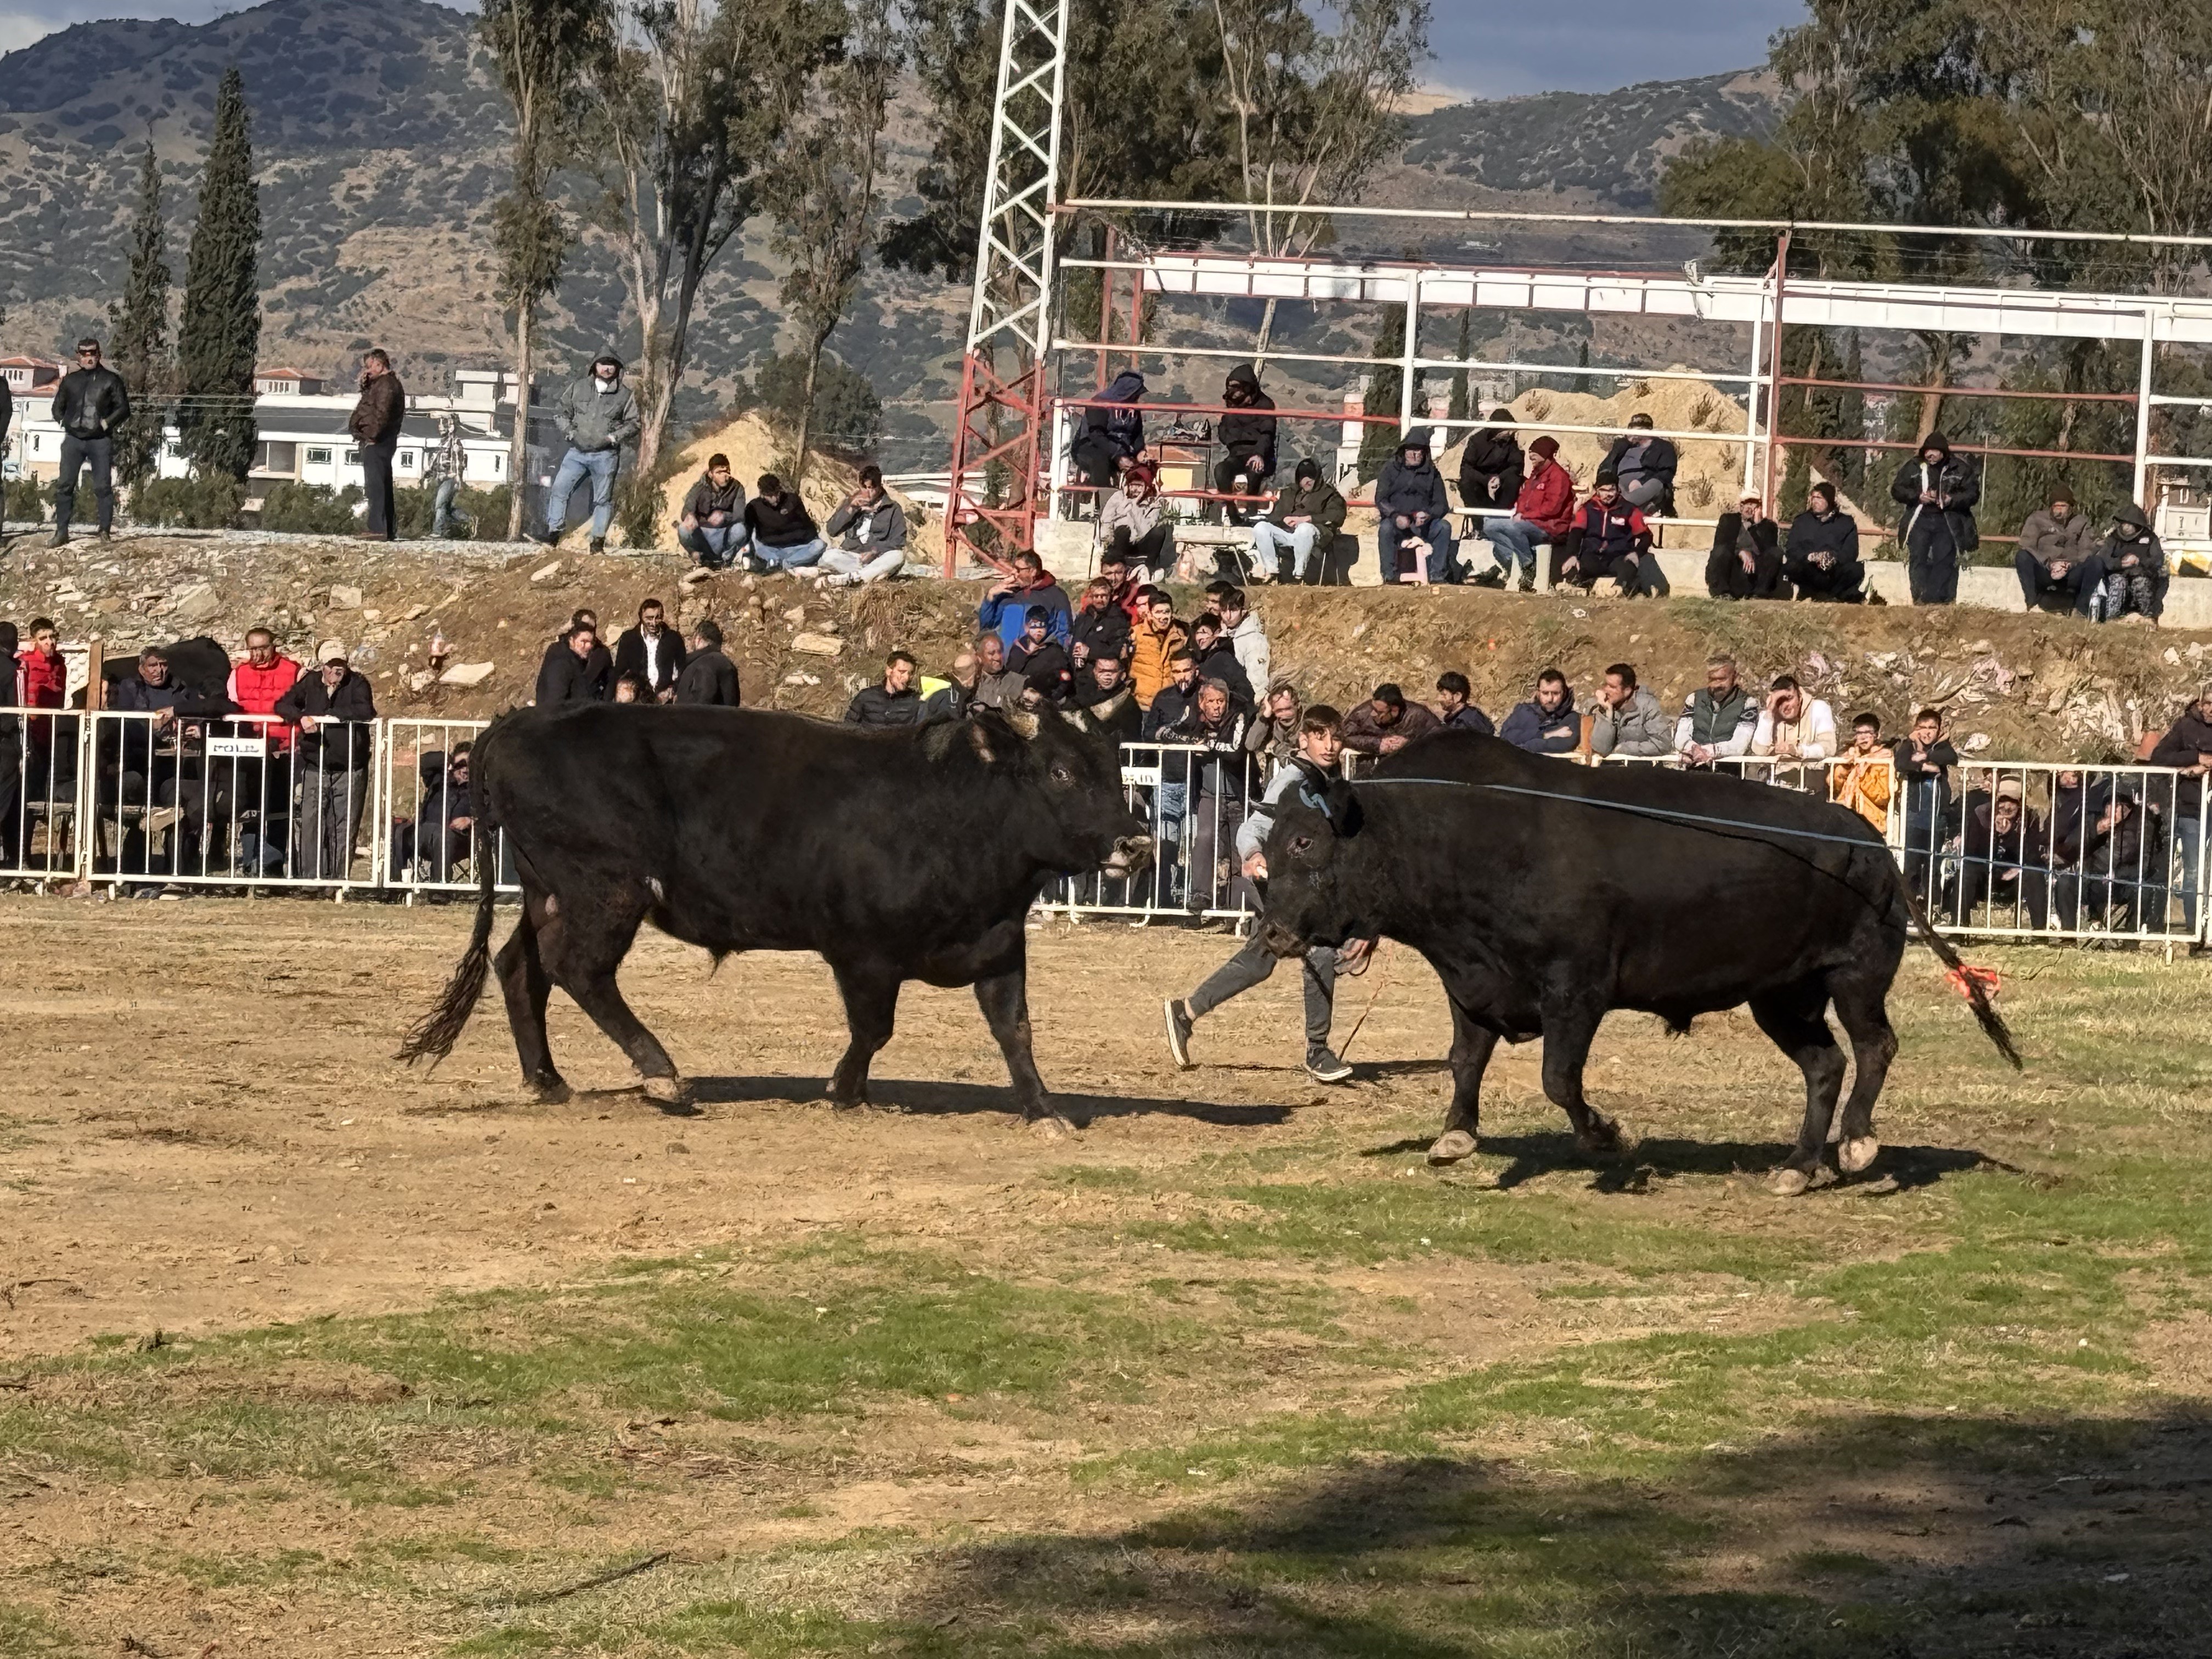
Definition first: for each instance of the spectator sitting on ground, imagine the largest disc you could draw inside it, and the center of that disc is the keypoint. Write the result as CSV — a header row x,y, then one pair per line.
x,y
1175,700
1005,609
1628,719
1157,642
1410,502
1041,660
1455,709
1607,541
1999,860
1937,490
997,686
709,677
1306,520
1103,692
1248,443
566,675
1720,718
1645,468
1823,552
1133,523
2134,568
1100,627
873,526
1923,762
1491,469
712,527
783,533
893,701
1274,737
1386,722
1746,563
2057,559
632,688
1792,726
651,652
2187,748
1217,660
1247,637
1542,512
1865,776
1547,723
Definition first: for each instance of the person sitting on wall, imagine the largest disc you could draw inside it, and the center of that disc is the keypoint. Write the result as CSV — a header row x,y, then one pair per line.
x,y
1305,521
1542,512
1746,563
2134,568
1822,552
1111,435
1608,541
2056,560
1411,505
1133,527
1644,466
1491,470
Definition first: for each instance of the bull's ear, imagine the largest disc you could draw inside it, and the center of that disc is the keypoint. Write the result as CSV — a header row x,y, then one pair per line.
x,y
979,740
1341,807
1024,721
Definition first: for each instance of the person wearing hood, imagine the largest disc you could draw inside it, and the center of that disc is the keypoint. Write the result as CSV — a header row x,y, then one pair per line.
x,y
1547,723
1111,433
1823,552
2135,573
1628,718
1307,520
1248,443
2056,560
1491,470
1409,500
1132,524
1542,512
1645,467
598,414
1746,563
1937,490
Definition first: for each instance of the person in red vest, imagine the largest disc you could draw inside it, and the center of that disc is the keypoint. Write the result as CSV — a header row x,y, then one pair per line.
x,y
260,793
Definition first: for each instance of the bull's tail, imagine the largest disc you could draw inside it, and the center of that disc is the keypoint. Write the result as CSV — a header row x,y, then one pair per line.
x,y
1968,980
432,1036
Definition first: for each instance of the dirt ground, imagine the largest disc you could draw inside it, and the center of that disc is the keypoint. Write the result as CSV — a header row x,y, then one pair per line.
x,y
207,1136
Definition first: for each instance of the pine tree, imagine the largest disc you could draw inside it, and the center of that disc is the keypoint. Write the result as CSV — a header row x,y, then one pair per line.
x,y
221,329
138,331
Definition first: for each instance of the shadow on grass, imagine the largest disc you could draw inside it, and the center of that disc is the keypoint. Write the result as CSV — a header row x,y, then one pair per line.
x,y
935,1097
1883,1537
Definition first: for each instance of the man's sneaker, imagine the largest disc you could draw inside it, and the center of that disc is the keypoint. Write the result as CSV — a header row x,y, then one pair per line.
x,y
550,537
599,544
1323,1066
107,535
1527,581
61,539
1179,1027
1492,577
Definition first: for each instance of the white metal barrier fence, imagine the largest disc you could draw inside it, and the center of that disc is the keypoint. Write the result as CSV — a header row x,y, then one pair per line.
x,y
148,801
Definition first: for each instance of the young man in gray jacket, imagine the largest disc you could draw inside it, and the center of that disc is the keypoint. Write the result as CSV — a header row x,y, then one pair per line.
x,y
1628,719
1310,768
873,526
598,416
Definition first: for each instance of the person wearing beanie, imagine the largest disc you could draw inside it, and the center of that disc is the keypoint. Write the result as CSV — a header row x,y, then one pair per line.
x,y
1937,490
2056,560
598,414
1542,512
2135,572
1306,520
1491,469
1411,504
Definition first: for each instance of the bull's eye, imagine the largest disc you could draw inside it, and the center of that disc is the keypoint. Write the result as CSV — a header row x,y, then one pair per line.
x,y
1302,844
1061,775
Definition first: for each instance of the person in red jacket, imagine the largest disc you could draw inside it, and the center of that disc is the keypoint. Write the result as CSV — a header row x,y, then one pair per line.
x,y
1608,539
1542,512
261,793
49,765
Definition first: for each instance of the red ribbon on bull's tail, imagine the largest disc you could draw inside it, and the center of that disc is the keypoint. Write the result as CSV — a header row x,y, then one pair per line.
x,y
1966,976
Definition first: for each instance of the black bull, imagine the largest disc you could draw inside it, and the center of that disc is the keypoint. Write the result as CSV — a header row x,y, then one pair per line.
x,y
1544,895
897,855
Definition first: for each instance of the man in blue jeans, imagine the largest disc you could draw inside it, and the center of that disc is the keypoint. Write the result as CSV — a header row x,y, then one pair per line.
x,y
598,416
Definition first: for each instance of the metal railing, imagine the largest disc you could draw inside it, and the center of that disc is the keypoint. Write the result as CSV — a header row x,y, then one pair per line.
x,y
1193,799
427,809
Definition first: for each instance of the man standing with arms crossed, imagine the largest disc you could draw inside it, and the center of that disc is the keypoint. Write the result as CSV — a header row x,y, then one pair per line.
x,y
375,424
89,403
1310,768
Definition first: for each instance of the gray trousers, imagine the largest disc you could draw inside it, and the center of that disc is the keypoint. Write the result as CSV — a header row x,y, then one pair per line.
x,y
330,805
1252,965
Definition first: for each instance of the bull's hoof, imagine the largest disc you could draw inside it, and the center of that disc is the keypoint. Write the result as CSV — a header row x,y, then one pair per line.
x,y
1052,1127
668,1090
551,1090
1857,1155
1452,1146
1602,1136
1787,1182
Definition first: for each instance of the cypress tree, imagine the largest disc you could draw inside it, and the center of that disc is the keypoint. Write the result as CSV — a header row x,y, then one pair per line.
x,y
1461,406
138,330
1378,441
220,330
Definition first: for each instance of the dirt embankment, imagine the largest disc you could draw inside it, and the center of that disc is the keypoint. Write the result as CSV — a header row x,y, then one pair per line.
x,y
2040,687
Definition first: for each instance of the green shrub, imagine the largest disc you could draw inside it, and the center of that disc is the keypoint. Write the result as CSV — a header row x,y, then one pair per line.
x,y
310,509
849,411
27,499
189,503
480,514
637,509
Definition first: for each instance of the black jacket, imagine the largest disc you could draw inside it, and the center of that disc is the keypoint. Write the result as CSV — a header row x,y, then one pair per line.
x,y
2185,740
1839,537
874,705
1118,422
1409,489
783,522
1104,631
1659,460
1114,712
1251,431
1925,786
1046,669
1469,719
1491,470
91,403
629,657
709,678
132,695
1219,663
564,677
1958,485
332,748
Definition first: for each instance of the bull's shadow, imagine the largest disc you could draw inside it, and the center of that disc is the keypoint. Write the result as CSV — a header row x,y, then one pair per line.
x,y
937,1097
1638,1164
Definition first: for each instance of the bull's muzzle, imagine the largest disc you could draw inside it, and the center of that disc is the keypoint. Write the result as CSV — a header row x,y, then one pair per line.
x,y
1131,854
1278,940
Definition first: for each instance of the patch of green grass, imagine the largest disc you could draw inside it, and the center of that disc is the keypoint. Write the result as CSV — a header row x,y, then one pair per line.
x,y
32,1635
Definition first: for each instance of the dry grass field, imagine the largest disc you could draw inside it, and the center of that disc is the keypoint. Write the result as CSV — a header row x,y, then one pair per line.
x,y
306,1354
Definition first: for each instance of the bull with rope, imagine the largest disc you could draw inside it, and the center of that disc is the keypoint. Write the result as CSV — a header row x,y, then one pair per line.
x,y
1545,896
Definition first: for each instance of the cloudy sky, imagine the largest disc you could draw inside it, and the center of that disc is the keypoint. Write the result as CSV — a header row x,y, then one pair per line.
x,y
1485,48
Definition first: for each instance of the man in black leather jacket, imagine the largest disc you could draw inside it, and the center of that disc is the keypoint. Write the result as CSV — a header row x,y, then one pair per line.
x,y
89,403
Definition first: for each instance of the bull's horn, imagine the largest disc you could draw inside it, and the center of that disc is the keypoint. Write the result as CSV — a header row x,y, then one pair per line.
x,y
1024,721
1074,717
